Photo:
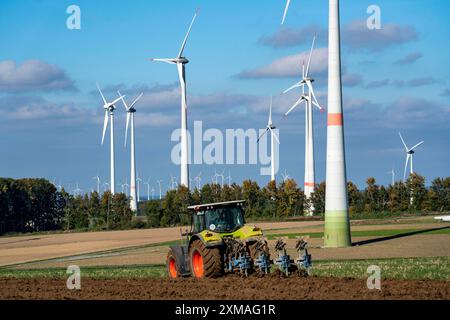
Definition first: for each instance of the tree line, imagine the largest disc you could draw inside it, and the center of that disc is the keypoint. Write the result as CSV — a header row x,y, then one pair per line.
x,y
35,205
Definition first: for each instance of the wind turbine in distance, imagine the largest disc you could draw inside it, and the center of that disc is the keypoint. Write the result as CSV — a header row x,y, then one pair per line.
x,y
310,100
409,155
130,120
285,176
180,61
229,178
77,191
109,116
97,179
160,189
392,173
147,183
273,137
198,180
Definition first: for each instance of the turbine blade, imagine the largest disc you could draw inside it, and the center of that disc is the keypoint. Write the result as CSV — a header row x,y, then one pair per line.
x,y
117,100
417,145
303,69
275,136
126,130
295,106
136,100
286,9
310,56
123,101
270,110
187,34
262,135
297,85
314,101
401,137
105,125
169,61
101,93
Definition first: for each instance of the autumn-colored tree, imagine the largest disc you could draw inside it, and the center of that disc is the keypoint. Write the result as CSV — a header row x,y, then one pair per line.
x,y
371,196
318,199
355,199
417,190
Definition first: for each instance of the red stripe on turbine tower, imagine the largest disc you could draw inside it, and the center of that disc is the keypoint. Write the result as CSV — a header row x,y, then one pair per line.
x,y
335,119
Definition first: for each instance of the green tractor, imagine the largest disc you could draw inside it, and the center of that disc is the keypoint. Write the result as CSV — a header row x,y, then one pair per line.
x,y
220,242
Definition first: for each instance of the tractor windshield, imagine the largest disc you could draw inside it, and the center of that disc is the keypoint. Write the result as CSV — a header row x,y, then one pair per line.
x,y
224,219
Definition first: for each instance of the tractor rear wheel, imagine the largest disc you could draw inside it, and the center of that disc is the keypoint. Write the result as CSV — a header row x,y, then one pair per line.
x,y
171,265
205,262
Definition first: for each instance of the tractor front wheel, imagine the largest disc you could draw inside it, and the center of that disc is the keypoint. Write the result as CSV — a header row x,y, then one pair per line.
x,y
171,265
205,262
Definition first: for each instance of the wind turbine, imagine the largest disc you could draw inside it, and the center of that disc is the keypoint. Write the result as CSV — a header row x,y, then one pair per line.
x,y
337,221
147,183
198,179
109,116
77,191
97,179
127,186
106,186
285,176
392,173
173,182
160,189
138,180
130,120
273,137
409,156
229,178
310,100
180,61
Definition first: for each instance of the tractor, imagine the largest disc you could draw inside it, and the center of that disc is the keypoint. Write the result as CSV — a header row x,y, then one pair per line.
x,y
219,242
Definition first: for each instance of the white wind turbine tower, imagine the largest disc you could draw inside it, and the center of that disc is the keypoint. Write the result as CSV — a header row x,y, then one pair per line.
x,y
273,136
229,178
130,120
147,183
109,116
160,189
337,220
180,61
138,180
97,179
310,100
409,156
77,191
392,173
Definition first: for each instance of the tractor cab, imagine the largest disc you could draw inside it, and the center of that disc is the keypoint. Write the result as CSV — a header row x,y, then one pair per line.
x,y
220,218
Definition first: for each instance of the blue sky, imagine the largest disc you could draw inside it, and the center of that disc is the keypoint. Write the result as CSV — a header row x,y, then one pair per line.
x,y
396,79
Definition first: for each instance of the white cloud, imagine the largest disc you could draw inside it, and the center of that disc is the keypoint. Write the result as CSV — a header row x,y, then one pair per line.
x,y
33,75
290,66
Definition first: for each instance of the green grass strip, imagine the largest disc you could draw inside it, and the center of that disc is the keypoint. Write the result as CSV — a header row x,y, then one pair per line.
x,y
396,269
368,233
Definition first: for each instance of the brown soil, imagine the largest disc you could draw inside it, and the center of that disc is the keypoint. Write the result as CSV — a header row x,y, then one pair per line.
x,y
228,288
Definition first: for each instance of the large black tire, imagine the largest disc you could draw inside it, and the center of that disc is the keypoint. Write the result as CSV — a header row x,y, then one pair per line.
x,y
211,258
171,265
